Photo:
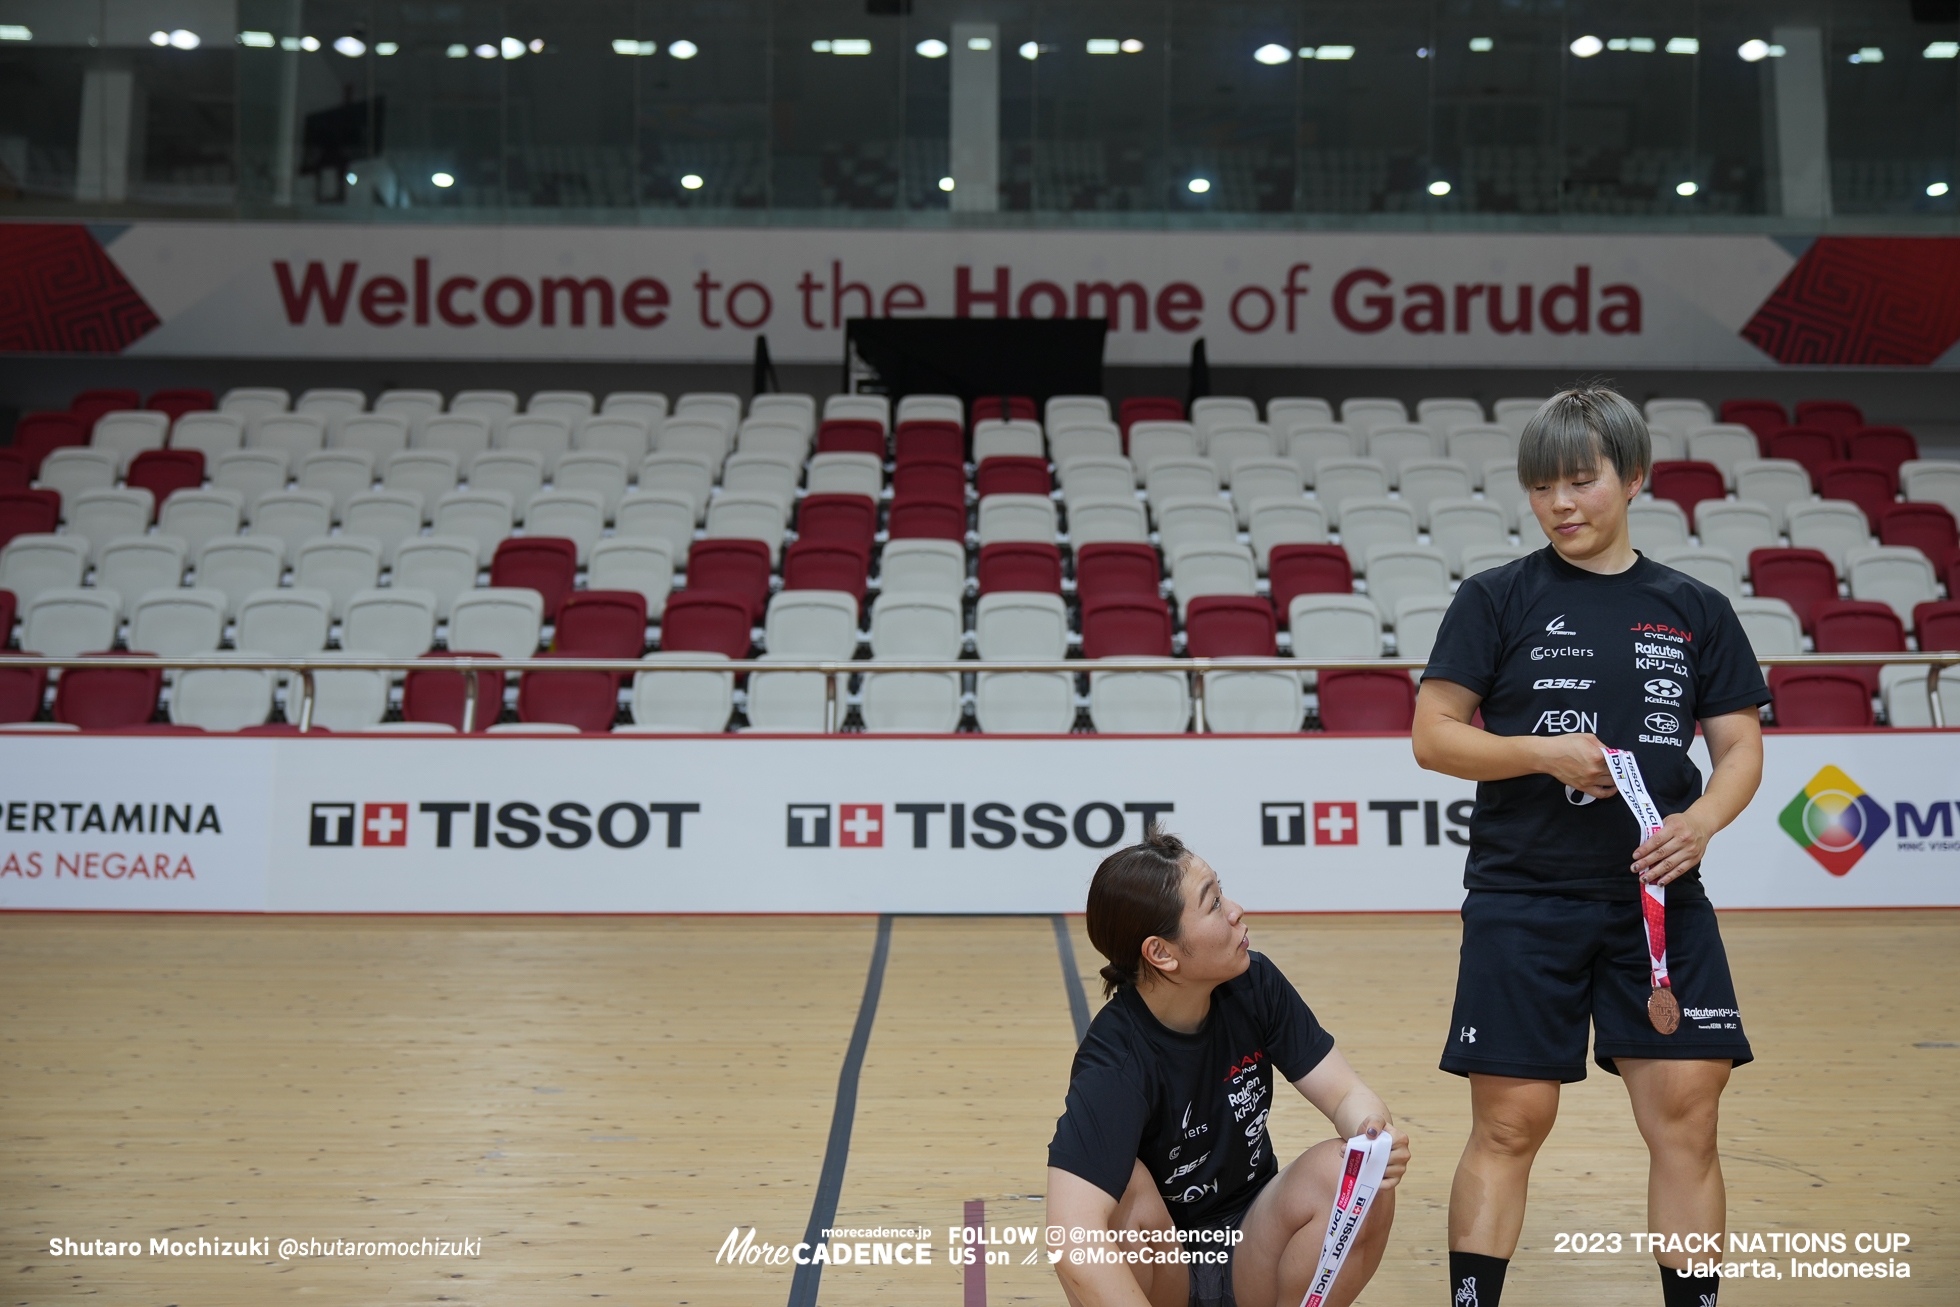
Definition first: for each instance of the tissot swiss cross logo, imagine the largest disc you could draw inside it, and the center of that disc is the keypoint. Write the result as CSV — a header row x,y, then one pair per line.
x,y
861,825
1336,823
384,825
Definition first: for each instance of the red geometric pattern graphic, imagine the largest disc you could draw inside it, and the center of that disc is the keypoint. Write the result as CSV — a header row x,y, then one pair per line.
x,y
1884,301
60,294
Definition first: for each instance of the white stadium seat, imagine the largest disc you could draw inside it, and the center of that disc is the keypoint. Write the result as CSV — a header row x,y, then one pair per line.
x,y
67,623
31,564
505,621
99,516
198,515
240,566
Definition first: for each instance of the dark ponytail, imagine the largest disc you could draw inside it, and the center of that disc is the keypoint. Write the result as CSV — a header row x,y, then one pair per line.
x,y
1136,893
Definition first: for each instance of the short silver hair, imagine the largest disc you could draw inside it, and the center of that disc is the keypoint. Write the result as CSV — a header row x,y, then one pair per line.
x,y
1576,430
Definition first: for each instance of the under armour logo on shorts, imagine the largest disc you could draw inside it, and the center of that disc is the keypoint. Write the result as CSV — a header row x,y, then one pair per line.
x,y
1469,1036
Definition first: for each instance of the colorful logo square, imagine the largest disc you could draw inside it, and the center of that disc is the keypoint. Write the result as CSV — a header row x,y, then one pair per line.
x,y
1834,820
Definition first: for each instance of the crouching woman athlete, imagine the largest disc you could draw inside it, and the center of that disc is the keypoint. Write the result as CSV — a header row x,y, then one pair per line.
x,y
1163,1144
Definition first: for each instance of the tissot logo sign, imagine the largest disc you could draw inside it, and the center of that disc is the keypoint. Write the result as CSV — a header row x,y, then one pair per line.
x,y
1339,822
476,824
1099,824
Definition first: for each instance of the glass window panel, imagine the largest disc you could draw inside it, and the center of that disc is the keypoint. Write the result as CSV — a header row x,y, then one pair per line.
x,y
837,107
704,119
1099,129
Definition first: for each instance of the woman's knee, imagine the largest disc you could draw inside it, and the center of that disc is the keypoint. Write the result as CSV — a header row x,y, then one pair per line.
x,y
1512,1119
1141,1207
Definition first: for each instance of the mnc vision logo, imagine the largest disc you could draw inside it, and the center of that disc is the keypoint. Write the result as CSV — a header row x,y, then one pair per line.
x,y
1834,820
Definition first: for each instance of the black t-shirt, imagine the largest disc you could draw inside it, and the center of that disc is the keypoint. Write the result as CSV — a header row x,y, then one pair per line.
x,y
1192,1107
1635,658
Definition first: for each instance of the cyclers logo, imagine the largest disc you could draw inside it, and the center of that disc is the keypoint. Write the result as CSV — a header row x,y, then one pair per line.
x,y
1834,820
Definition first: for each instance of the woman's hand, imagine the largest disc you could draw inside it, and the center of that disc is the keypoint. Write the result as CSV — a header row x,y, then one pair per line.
x,y
1398,1156
1677,847
1578,761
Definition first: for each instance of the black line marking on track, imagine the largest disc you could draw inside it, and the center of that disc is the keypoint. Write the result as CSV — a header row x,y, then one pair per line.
x,y
1078,1002
830,1181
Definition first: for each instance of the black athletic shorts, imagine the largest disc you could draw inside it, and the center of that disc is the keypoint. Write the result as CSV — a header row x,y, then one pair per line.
x,y
1211,1282
1534,967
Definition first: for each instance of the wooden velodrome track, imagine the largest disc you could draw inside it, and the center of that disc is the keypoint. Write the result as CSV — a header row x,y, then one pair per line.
x,y
601,1100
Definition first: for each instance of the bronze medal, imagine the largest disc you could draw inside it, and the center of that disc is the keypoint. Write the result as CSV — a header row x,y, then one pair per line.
x,y
1664,1011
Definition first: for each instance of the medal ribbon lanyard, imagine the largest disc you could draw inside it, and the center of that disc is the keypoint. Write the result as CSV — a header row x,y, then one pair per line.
x,y
1361,1176
1632,786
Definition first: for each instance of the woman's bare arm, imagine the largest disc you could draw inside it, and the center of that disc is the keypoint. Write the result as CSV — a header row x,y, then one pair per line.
x,y
1446,742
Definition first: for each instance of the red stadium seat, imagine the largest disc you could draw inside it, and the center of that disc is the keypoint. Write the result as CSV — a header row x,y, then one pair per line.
x,y
1858,626
851,436
1813,447
825,565
1686,483
38,434
179,402
1117,569
735,567
601,624
1938,624
1818,698
1230,626
1886,446
28,512
8,604
587,700
107,698
1837,415
927,519
1929,528
706,621
1363,700
437,697
1126,624
546,564
1147,408
988,408
1025,565
21,689
1765,417
850,520
90,405
1308,570
269,728
1801,578
164,471
13,471
929,442
943,483
1867,485
1003,475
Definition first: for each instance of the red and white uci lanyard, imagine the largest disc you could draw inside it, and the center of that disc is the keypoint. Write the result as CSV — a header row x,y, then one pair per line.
x,y
1361,1176
1632,786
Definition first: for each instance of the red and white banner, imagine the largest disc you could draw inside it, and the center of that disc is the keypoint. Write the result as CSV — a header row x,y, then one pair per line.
x,y
702,294
866,824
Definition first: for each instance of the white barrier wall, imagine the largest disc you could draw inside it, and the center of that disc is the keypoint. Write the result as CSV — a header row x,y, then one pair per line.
x,y
861,824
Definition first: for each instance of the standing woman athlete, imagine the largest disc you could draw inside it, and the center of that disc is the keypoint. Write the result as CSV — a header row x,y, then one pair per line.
x,y
1582,643
1164,1135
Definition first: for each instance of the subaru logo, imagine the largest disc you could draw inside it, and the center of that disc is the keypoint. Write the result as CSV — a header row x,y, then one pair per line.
x,y
1663,689
1663,723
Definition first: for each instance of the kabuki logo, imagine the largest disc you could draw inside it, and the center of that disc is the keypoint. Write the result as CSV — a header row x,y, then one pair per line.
x,y
1834,820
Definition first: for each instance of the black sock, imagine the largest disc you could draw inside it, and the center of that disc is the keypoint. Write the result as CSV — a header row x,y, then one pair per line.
x,y
1679,1290
1478,1281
